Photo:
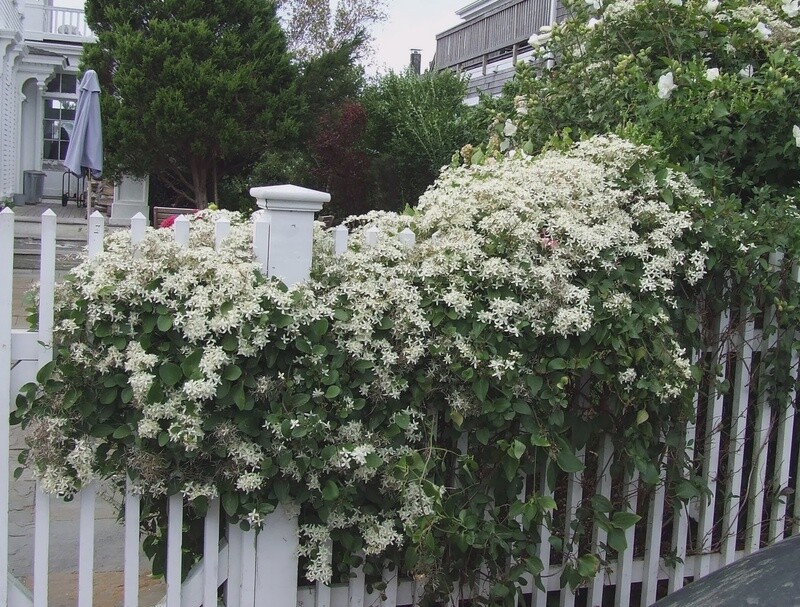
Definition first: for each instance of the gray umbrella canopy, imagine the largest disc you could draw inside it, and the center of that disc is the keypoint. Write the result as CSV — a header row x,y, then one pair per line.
x,y
85,149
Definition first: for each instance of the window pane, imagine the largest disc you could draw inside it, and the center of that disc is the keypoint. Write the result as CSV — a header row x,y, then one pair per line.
x,y
69,83
54,86
50,111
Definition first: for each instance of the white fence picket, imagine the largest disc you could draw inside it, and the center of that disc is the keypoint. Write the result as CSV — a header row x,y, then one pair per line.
x,y
390,579
222,227
599,536
741,388
680,515
97,229
371,236
783,447
652,549
758,477
276,569
340,238
41,547
47,279
211,552
88,497
356,588
181,230
233,589
138,229
574,497
132,509
174,549
539,598
248,597
713,431
622,596
6,306
323,591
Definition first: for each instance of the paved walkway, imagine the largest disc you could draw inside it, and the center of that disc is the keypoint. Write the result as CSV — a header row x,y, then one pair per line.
x,y
109,535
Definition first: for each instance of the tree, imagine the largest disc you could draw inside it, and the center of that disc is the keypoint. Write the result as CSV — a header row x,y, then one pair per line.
x,y
416,123
712,85
193,89
314,27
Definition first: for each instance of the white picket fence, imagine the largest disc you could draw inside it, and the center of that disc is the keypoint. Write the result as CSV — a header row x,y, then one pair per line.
x,y
750,438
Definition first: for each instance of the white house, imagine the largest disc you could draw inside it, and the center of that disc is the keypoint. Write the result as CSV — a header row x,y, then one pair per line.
x,y
40,49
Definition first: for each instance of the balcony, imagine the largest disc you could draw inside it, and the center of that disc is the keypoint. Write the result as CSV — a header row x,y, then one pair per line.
x,y
56,24
498,32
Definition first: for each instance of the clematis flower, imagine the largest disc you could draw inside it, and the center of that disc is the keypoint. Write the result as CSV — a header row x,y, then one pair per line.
x,y
796,133
595,4
592,23
666,84
763,31
747,71
712,74
711,6
791,7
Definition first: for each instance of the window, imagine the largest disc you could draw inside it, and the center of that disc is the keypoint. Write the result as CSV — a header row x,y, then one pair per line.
x,y
59,115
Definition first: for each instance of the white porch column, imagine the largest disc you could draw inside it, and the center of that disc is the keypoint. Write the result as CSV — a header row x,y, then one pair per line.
x,y
291,213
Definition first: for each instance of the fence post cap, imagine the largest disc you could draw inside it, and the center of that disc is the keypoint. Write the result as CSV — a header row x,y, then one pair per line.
x,y
289,197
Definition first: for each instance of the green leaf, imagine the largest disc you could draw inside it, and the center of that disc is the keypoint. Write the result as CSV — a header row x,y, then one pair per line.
x,y
482,434
230,343
720,110
170,373
588,565
568,461
342,315
330,491
332,392
624,520
481,388
230,502
641,417
232,372
122,432
516,450
164,323
616,539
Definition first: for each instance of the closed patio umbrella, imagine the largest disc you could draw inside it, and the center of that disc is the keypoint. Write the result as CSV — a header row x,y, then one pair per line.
x,y
85,149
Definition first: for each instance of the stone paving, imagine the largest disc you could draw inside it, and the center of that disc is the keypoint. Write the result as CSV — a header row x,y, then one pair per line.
x,y
109,534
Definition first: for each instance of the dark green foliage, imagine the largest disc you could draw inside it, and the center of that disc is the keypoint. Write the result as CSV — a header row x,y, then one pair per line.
x,y
192,90
416,124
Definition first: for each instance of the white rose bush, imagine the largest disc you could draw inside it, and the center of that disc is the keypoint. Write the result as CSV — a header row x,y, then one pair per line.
x,y
399,398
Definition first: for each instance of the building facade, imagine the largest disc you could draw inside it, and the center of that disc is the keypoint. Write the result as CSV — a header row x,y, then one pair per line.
x,y
492,36
40,49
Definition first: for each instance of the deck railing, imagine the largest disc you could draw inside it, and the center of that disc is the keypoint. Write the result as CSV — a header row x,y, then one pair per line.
x,y
57,23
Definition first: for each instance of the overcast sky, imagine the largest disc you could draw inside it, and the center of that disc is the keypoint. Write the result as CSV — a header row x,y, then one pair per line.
x,y
411,24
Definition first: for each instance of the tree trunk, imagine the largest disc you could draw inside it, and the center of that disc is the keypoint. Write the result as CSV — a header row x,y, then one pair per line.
x,y
200,182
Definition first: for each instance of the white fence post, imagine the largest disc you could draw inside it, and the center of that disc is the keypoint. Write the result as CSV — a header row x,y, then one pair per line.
x,y
291,214
6,304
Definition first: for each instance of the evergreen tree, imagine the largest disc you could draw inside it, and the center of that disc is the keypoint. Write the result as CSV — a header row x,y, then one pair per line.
x,y
193,90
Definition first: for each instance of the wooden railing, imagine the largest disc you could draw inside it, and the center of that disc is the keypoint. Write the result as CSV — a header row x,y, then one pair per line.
x,y
506,27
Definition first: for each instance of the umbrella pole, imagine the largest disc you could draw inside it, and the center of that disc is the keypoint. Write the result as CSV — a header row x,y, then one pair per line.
x,y
89,195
